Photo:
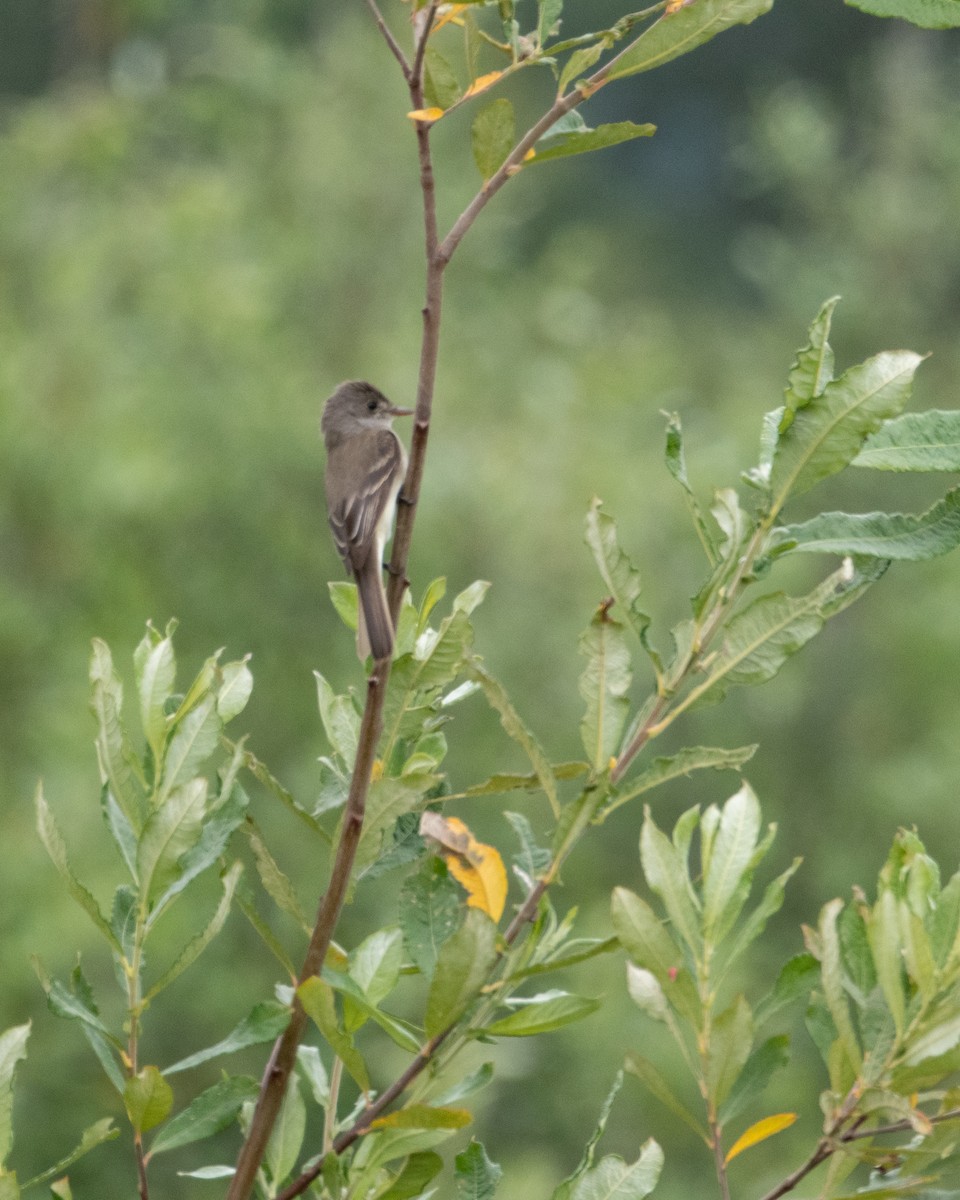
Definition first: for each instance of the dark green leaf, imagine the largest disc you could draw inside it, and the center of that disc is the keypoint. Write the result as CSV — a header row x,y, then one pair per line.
x,y
418,1171
464,962
210,1112
263,1023
93,1136
492,136
476,1175
929,14
731,1040
770,1056
561,145
429,912
645,1071
544,1017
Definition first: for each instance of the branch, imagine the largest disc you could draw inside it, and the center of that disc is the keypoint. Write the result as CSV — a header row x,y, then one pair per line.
x,y
282,1059
391,41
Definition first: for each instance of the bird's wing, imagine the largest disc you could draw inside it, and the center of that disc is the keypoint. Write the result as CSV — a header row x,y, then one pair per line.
x,y
374,460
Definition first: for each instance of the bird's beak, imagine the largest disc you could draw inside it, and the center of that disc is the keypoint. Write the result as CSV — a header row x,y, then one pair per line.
x,y
394,411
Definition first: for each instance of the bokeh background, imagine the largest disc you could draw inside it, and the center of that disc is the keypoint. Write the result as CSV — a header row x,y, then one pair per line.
x,y
208,217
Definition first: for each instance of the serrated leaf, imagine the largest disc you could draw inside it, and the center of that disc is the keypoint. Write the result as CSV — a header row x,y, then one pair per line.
x,y
493,135
604,686
681,765
812,369
620,577
55,846
211,1111
147,1098
614,1179
551,1014
430,911
13,1049
676,464
561,145
476,1175
265,1022
828,432
463,965
170,831
275,882
682,31
901,536
759,1132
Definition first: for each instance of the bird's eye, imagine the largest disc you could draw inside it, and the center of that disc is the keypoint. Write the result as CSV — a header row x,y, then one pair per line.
x,y
372,405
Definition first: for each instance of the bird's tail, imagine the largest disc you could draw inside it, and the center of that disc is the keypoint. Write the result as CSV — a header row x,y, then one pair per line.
x,y
374,629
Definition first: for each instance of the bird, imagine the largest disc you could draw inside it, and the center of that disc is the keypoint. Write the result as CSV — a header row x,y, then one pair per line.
x,y
366,464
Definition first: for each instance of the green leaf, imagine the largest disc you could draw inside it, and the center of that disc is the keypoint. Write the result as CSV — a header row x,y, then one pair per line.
x,y
614,1179
341,721
94,1135
54,845
467,1086
9,1189
77,1004
476,1174
263,1023
748,931
770,1056
235,689
286,1138
358,1008
156,671
208,849
666,873
318,1002
562,1192
648,1074
907,536
812,369
579,63
13,1049
677,466
147,1098
441,88
643,935
375,964
512,724
544,1017
120,829
548,18
387,801
828,432
928,14
682,31
926,441
275,882
533,859
561,145
492,136
343,596
429,912
731,1040
831,968
118,764
730,858
463,965
423,1116
604,685
681,765
170,831
620,577
883,935
418,1171
199,942
210,1112
934,1039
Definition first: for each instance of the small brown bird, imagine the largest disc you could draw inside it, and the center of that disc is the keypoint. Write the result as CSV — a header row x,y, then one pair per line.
x,y
366,463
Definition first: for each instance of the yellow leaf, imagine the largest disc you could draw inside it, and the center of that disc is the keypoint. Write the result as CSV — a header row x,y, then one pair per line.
x,y
759,1132
530,154
451,13
478,868
423,1116
426,115
481,83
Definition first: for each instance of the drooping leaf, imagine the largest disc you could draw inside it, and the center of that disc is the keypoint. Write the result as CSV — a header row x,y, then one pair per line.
x,y
276,883
94,1135
463,964
424,1116
680,765
493,135
263,1023
206,1115
682,31
651,1077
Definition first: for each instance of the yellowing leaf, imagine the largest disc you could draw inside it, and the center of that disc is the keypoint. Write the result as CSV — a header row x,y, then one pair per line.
x,y
451,13
675,6
759,1132
481,83
426,115
424,1116
476,867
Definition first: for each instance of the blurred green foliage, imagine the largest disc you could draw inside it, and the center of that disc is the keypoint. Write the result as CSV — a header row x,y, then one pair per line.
x,y
196,246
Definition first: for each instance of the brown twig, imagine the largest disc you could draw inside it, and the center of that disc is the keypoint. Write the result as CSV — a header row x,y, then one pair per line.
x,y
388,37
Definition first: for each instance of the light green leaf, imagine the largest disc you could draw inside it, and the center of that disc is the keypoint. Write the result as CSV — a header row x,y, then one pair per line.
x,y
548,18
934,1039
879,535
283,1148
169,833
9,1188
680,32
210,1112
729,860
614,1179
551,1014
375,964
731,1040
341,721
645,1071
120,830
118,763
197,944
512,724
263,1023
235,689
418,1171
620,577
883,935
492,136
358,1009
429,912
13,1049
467,1086
463,965
580,62
604,685
925,441
147,1098
533,859
828,432
343,596
666,873
208,849
441,88
388,800
746,932
194,739
94,1135
55,846
831,969
642,934
275,882
681,765
812,369
561,145
318,1002
675,460
645,991
562,1192
476,1174
155,678
928,14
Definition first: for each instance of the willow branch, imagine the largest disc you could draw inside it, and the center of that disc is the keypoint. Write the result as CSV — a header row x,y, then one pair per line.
x,y
388,37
